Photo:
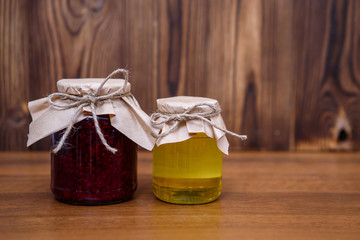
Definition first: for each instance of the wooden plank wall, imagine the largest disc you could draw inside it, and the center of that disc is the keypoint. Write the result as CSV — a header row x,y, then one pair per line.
x,y
286,72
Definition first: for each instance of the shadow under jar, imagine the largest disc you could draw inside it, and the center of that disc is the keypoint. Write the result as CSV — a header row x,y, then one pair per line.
x,y
84,172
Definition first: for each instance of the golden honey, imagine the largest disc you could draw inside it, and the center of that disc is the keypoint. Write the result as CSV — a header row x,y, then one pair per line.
x,y
188,172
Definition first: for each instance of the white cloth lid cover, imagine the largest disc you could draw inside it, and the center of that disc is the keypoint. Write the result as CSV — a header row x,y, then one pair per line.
x,y
80,86
186,130
125,113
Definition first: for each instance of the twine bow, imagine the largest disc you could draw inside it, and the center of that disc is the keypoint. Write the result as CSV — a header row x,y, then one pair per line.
x,y
158,119
88,100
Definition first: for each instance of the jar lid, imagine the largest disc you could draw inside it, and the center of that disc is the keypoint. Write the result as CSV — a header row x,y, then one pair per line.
x,y
180,104
184,130
75,101
81,86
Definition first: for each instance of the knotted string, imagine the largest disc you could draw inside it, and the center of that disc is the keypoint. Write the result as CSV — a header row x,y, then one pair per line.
x,y
88,100
158,119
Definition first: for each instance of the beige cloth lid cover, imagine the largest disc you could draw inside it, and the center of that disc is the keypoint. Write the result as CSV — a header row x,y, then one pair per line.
x,y
187,129
125,113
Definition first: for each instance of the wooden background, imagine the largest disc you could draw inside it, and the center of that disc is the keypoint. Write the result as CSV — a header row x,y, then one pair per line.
x,y
286,72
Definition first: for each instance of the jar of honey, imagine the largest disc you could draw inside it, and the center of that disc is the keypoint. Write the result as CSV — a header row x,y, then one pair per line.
x,y
187,172
187,157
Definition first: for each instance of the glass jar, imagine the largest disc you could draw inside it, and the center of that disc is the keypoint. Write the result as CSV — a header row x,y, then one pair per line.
x,y
84,172
187,172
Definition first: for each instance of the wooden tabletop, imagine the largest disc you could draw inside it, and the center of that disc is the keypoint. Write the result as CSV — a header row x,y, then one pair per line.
x,y
265,196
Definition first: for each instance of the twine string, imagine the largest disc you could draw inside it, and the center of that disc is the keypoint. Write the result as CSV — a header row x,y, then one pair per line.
x,y
88,100
158,119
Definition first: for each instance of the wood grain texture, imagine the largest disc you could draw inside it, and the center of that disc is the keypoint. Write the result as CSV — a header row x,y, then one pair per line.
x,y
14,74
328,79
265,196
285,72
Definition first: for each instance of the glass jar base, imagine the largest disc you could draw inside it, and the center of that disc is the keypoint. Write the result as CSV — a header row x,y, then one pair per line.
x,y
93,203
91,199
186,194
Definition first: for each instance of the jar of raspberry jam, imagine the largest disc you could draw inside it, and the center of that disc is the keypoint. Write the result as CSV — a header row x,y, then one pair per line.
x,y
95,125
85,172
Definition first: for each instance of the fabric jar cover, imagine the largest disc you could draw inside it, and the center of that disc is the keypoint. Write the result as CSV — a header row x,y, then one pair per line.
x,y
125,113
187,129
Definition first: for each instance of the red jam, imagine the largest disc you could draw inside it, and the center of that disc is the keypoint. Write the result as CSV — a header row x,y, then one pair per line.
x,y
84,172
